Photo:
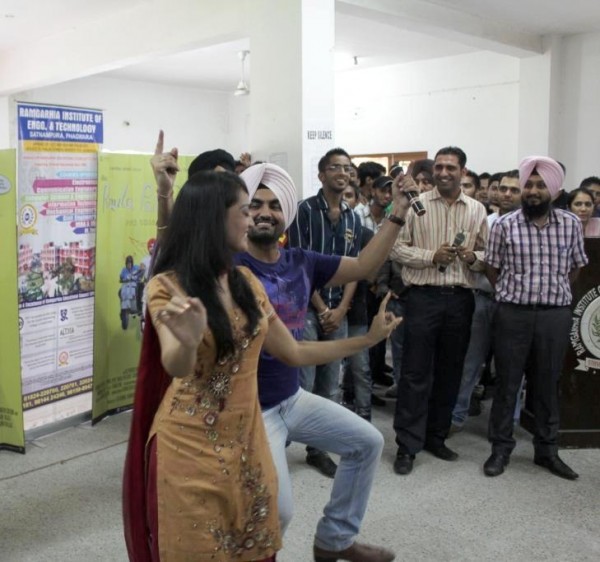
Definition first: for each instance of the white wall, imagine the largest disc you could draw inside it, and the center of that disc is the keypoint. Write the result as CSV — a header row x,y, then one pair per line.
x,y
193,120
470,100
5,132
238,140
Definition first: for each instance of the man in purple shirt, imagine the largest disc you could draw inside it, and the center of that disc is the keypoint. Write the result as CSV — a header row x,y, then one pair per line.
x,y
290,277
533,255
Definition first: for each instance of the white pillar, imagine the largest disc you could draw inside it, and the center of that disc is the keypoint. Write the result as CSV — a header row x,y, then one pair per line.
x,y
292,85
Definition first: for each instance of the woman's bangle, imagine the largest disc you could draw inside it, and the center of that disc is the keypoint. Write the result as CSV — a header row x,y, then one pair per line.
x,y
161,227
165,196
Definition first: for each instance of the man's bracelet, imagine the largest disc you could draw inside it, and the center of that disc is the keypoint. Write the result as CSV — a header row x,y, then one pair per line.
x,y
396,220
165,196
161,227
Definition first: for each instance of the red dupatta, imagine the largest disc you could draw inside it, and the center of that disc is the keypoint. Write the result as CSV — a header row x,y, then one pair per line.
x,y
151,385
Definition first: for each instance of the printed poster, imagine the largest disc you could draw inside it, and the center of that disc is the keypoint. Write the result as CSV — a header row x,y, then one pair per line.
x,y
127,213
12,436
57,182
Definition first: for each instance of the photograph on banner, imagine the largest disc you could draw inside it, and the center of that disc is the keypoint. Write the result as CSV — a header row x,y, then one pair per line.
x,y
12,435
126,235
57,163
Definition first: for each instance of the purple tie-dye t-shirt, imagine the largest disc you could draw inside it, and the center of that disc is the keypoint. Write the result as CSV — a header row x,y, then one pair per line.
x,y
289,283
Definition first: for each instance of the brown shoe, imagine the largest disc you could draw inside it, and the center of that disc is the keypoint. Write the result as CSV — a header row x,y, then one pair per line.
x,y
357,552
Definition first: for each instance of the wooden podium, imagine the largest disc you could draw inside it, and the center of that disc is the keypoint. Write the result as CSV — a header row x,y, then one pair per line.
x,y
579,386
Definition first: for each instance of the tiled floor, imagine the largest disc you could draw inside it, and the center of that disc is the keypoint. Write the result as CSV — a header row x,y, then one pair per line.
x,y
61,501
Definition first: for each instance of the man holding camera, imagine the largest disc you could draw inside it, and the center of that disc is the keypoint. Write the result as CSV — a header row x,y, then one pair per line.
x,y
439,251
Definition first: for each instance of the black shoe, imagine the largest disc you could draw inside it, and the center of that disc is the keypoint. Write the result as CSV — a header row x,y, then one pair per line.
x,y
383,380
556,466
323,463
475,407
441,452
376,401
403,464
392,391
495,465
357,552
388,369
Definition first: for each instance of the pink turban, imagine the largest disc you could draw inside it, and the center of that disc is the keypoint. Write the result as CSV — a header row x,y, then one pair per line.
x,y
278,181
550,171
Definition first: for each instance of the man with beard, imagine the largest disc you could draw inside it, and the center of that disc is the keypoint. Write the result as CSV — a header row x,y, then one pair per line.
x,y
532,257
290,277
439,252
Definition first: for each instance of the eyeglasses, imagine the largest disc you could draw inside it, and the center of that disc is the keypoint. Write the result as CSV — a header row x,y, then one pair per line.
x,y
338,168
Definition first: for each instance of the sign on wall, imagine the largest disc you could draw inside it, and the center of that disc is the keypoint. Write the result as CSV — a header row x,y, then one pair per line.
x,y
56,264
127,213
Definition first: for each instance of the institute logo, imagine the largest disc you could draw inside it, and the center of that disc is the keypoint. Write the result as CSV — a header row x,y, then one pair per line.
x,y
585,332
28,217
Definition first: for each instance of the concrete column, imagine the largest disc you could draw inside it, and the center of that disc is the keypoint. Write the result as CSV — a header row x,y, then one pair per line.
x,y
292,85
534,105
559,114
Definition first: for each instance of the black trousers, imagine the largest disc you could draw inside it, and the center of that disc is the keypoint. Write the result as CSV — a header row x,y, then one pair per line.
x,y
536,340
377,352
436,338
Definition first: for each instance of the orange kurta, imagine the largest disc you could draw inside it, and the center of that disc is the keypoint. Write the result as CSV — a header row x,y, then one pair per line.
x,y
216,482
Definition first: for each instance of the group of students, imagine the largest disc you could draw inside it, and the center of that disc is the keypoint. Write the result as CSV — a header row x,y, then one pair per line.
x,y
218,393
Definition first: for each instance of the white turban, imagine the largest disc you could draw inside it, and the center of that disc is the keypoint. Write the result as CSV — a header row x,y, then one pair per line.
x,y
279,182
550,171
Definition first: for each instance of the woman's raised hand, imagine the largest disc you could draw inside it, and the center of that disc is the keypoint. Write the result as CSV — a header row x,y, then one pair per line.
x,y
184,316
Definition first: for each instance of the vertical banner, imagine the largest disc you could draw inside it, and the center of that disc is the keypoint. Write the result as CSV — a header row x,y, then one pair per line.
x,y
57,181
11,412
126,233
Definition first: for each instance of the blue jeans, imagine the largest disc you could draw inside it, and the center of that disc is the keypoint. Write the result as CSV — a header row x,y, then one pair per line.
x,y
323,380
479,348
312,420
358,374
397,338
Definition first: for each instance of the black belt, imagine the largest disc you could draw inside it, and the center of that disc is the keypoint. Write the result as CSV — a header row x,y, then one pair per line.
x,y
485,294
534,306
443,289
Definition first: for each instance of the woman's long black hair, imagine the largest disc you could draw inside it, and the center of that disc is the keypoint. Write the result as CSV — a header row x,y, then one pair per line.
x,y
195,248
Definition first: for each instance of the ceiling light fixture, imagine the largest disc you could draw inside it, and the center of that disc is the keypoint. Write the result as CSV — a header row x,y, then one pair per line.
x,y
242,88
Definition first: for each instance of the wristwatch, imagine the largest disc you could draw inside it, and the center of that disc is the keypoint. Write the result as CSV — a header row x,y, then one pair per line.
x,y
396,220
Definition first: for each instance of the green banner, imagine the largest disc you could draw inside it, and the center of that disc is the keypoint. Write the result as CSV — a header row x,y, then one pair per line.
x,y
125,234
12,435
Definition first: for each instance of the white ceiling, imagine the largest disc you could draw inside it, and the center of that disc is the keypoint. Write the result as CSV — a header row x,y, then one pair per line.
x,y
410,30
538,17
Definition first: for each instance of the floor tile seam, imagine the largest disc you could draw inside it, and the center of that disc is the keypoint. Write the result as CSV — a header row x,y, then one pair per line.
x,y
61,461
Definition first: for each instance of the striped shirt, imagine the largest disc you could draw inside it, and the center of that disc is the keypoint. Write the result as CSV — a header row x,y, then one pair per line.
x,y
481,280
421,237
367,219
534,262
312,230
